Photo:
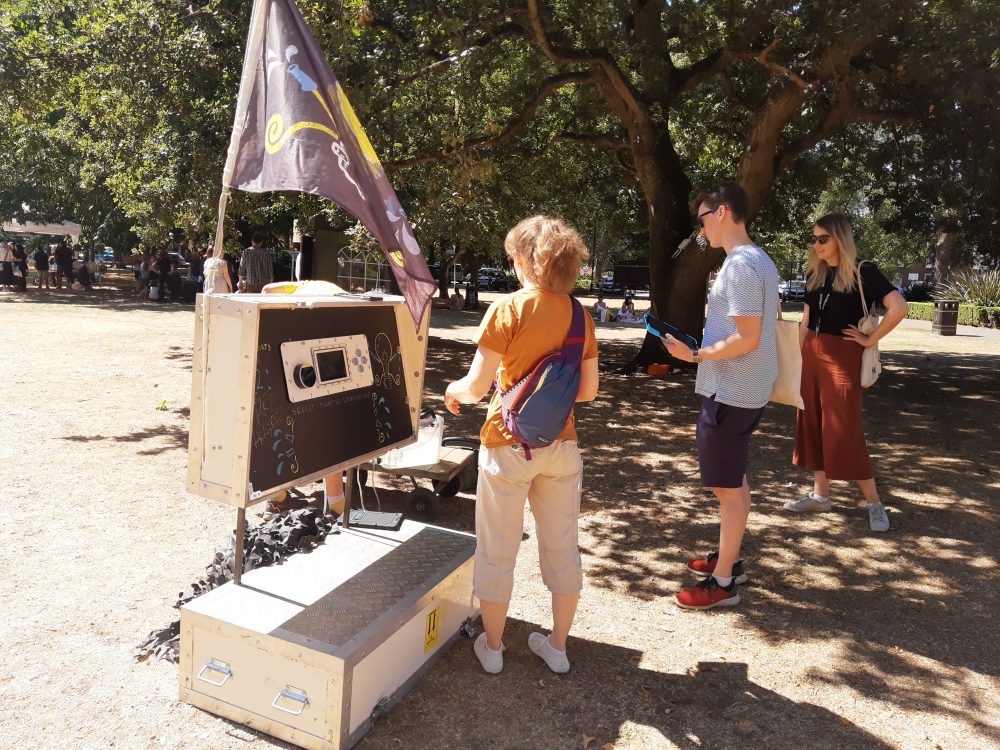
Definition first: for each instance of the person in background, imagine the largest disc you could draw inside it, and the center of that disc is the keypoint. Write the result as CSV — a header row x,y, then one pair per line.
x,y
64,264
20,267
456,301
83,279
627,312
600,309
737,366
518,330
829,433
195,273
41,259
256,266
7,280
216,274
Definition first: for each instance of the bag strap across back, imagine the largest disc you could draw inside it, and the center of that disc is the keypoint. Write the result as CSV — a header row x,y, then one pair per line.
x,y
572,349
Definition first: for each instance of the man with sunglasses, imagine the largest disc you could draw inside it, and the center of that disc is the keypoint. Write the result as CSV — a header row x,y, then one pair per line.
x,y
737,366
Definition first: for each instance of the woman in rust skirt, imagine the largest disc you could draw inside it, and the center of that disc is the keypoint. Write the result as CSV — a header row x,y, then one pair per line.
x,y
829,434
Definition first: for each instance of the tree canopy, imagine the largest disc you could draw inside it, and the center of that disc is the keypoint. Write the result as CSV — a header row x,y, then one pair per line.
x,y
612,113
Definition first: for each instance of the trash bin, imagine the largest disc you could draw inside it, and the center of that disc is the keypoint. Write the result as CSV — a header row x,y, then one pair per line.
x,y
945,317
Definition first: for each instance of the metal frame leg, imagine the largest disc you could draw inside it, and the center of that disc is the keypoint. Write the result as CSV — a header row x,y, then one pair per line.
x,y
241,532
348,496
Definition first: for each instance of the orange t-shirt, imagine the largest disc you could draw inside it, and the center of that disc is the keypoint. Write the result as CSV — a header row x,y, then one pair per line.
x,y
524,327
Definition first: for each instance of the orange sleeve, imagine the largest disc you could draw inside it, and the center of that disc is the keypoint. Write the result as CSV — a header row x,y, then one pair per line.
x,y
497,327
590,343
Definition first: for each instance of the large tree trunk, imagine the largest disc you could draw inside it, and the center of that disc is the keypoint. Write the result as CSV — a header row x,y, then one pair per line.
x,y
677,285
944,253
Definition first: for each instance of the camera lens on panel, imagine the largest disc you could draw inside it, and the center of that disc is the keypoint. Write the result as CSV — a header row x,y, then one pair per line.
x,y
305,376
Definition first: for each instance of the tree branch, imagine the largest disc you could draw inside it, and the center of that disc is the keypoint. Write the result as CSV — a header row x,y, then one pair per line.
x,y
443,63
838,114
781,70
686,79
598,140
513,127
598,60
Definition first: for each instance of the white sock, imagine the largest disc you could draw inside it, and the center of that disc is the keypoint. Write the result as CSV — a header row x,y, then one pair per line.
x,y
491,652
553,649
818,497
723,581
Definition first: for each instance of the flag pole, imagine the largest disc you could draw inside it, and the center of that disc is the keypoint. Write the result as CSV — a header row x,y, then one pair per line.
x,y
251,58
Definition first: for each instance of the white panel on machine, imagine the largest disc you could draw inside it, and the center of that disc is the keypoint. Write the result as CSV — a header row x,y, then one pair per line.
x,y
322,367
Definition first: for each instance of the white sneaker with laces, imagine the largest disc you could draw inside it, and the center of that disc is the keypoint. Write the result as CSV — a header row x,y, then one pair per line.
x,y
491,661
878,520
809,502
557,661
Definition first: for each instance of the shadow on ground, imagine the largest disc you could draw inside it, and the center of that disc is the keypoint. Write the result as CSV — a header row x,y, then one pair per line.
x,y
927,590
607,697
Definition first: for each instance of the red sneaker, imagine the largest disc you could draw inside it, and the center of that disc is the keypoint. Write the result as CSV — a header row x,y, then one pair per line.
x,y
705,566
708,594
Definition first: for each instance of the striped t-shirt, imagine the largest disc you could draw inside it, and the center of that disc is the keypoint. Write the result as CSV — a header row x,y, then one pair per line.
x,y
257,266
746,286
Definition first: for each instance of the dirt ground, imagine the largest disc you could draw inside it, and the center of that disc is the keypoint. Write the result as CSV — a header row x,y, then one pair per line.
x,y
845,638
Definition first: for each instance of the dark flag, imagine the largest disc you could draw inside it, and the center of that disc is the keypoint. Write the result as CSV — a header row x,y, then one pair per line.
x,y
295,130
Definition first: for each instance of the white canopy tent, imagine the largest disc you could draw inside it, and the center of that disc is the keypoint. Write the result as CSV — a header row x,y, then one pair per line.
x,y
60,230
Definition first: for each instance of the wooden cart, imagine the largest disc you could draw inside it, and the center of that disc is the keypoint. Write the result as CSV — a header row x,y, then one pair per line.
x,y
453,472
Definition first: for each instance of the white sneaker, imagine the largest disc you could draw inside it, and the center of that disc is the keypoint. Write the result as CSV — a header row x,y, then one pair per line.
x,y
809,502
877,517
491,661
557,661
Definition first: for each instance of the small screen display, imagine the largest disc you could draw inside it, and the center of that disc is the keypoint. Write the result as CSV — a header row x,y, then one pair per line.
x,y
332,365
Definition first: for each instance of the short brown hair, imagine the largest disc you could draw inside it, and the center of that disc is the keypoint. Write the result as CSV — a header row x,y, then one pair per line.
x,y
550,250
727,194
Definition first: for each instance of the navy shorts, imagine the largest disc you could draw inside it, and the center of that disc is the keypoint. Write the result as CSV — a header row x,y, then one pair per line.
x,y
723,437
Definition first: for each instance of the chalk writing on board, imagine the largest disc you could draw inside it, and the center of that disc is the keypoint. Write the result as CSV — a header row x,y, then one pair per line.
x,y
283,448
381,412
389,361
264,404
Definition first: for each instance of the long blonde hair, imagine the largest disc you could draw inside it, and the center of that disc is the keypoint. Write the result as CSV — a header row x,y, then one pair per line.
x,y
839,227
550,250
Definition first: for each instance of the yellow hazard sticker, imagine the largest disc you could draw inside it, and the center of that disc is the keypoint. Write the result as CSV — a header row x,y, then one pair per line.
x,y
431,628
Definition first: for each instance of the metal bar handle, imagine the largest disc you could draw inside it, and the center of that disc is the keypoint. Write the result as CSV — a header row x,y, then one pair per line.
x,y
216,665
295,694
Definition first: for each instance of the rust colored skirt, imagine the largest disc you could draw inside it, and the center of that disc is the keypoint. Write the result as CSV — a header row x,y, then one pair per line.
x,y
829,434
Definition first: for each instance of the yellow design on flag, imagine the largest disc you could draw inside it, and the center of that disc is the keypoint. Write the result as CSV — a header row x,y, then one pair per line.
x,y
276,134
397,258
359,132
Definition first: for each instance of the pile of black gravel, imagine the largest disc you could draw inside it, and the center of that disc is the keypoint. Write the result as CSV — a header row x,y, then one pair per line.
x,y
293,531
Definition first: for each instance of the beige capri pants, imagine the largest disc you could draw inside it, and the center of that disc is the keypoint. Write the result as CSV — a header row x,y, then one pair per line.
x,y
552,482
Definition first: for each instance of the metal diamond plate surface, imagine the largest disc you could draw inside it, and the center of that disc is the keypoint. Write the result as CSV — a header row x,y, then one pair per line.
x,y
417,564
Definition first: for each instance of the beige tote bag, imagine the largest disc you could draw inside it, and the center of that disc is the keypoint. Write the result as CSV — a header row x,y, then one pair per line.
x,y
871,360
788,385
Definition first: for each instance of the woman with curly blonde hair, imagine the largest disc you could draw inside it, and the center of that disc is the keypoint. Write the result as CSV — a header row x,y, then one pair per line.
x,y
518,330
829,433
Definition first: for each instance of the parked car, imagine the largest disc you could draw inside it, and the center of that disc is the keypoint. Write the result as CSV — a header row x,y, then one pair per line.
x,y
454,273
496,280
792,291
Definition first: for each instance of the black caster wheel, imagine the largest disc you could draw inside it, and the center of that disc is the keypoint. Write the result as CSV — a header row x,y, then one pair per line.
x,y
452,487
422,504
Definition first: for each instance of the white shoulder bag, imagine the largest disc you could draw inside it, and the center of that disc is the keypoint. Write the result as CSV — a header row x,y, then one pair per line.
x,y
871,363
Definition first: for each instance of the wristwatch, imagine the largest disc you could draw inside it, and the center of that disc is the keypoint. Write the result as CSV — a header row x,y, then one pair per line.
x,y
697,356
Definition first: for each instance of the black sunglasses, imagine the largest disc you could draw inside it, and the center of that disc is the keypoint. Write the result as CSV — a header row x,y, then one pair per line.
x,y
706,213
819,239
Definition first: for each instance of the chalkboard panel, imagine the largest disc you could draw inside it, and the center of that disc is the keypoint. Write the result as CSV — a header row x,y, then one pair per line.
x,y
292,440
